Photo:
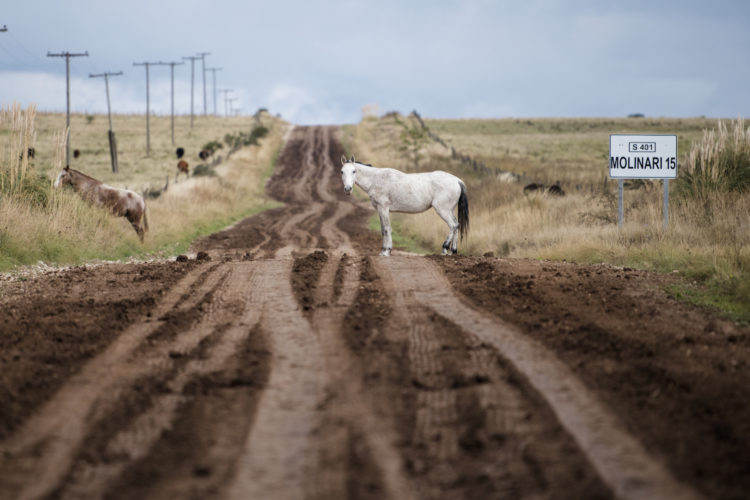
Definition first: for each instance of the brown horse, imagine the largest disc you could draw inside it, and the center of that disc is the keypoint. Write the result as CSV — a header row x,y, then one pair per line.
x,y
121,202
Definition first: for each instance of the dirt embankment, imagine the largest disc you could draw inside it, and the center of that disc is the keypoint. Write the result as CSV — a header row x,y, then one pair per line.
x,y
294,363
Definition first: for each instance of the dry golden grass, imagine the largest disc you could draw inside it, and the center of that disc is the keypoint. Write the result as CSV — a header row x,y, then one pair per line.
x,y
57,226
709,241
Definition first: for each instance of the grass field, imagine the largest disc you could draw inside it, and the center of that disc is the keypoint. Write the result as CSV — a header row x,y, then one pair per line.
x,y
708,242
38,223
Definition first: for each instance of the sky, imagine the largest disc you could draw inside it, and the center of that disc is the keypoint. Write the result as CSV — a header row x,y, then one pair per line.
x,y
320,62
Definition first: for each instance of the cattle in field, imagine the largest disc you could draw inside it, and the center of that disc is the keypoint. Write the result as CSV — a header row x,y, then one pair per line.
x,y
554,190
533,187
182,168
180,153
30,152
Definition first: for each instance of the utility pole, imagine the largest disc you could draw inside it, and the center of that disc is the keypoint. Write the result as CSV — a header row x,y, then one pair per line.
x,y
231,106
67,56
214,70
148,107
192,81
203,55
112,140
225,91
171,65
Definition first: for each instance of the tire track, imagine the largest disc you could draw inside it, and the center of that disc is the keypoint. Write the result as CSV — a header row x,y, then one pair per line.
x,y
38,455
459,388
228,321
625,466
358,455
279,456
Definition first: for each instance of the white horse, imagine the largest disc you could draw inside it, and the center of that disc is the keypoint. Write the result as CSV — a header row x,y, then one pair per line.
x,y
392,190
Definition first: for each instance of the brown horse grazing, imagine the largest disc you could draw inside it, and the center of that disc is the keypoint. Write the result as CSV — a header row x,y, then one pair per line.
x,y
122,202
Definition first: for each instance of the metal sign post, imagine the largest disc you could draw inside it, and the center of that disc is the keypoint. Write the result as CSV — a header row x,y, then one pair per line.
x,y
643,157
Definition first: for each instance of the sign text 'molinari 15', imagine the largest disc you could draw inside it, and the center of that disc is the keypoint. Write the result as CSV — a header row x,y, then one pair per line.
x,y
642,156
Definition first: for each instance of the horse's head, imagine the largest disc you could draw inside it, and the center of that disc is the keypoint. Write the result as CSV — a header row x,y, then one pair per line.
x,y
348,174
64,177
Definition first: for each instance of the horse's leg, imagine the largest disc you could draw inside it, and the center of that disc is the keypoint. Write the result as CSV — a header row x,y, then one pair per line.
x,y
135,222
385,229
451,241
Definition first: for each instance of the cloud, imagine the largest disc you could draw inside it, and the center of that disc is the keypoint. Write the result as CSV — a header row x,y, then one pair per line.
x,y
302,105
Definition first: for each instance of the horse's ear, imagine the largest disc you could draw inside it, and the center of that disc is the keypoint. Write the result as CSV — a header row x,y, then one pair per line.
x,y
352,160
343,159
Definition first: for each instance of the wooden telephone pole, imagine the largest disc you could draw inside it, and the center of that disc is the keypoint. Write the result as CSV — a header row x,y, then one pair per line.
x,y
192,82
203,55
148,107
112,140
226,92
171,71
67,56
214,70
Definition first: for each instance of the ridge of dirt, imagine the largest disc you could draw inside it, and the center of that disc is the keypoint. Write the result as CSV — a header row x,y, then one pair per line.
x,y
201,447
678,376
74,316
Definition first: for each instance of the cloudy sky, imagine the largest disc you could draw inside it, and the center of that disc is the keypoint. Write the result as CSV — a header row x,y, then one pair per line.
x,y
321,61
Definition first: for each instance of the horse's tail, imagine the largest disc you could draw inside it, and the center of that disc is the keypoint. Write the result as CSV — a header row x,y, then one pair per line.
x,y
463,212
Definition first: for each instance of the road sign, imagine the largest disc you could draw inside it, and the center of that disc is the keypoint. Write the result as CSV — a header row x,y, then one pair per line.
x,y
642,156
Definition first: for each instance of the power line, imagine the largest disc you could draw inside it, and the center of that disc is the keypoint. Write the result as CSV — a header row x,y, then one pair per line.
x,y
148,107
67,56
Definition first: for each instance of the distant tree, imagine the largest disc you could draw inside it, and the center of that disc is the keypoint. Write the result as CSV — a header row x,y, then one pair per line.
x,y
413,139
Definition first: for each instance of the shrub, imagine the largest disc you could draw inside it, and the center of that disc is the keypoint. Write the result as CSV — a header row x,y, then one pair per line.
x,y
719,163
259,132
204,170
212,146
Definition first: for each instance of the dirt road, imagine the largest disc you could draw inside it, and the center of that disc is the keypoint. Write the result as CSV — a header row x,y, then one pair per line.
x,y
287,360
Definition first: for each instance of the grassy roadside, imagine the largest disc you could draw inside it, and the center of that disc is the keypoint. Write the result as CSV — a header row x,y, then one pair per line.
x,y
57,227
707,242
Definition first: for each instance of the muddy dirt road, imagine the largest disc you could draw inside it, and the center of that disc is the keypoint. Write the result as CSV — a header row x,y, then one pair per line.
x,y
287,360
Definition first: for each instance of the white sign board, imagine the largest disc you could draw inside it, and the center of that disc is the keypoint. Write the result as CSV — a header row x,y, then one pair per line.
x,y
642,156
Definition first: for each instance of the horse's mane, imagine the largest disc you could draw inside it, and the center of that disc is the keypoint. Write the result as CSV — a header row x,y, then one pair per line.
x,y
85,176
365,164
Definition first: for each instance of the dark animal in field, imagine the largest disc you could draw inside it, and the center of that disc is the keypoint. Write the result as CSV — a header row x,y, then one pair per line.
x,y
533,187
76,153
182,168
29,154
204,154
556,190
180,153
121,202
